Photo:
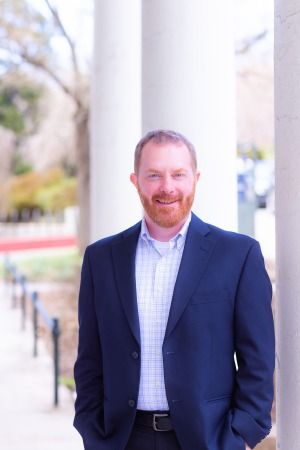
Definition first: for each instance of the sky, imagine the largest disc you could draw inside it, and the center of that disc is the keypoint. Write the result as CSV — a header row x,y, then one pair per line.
x,y
77,18
251,18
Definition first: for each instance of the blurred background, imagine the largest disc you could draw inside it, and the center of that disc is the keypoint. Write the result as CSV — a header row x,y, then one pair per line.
x,y
46,64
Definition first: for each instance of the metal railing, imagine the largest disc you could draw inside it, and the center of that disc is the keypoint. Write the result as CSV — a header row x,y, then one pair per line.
x,y
11,275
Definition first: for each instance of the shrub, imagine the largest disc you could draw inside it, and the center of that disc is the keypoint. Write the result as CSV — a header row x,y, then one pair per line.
x,y
49,191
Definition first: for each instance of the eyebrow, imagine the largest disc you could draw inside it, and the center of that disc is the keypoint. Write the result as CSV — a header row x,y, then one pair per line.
x,y
153,170
159,170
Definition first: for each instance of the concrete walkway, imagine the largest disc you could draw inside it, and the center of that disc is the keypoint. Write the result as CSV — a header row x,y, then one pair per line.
x,y
27,416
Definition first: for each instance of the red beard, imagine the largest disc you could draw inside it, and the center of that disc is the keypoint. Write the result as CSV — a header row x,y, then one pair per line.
x,y
167,215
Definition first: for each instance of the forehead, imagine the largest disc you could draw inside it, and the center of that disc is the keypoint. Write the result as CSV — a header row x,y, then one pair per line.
x,y
165,155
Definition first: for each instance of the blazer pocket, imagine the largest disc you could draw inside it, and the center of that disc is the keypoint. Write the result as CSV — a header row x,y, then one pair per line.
x,y
219,398
211,296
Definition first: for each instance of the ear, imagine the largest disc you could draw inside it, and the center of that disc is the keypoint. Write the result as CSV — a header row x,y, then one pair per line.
x,y
133,179
197,176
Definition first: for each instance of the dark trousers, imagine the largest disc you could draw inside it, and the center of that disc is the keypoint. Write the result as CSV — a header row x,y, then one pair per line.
x,y
145,438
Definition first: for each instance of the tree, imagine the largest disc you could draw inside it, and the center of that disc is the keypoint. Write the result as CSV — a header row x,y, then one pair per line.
x,y
18,104
25,36
247,44
8,145
19,97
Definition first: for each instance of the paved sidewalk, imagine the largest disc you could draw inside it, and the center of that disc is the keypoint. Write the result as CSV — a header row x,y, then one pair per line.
x,y
27,416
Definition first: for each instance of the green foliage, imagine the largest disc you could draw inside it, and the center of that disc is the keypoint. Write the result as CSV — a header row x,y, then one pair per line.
x,y
24,33
19,103
22,191
1,270
62,267
57,191
47,191
253,152
69,382
19,165
29,93
27,31
10,117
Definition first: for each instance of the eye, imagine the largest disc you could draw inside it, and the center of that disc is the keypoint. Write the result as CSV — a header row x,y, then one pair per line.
x,y
154,175
179,175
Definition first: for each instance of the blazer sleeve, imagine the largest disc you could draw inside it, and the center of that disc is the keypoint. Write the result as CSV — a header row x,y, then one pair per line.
x,y
88,366
255,350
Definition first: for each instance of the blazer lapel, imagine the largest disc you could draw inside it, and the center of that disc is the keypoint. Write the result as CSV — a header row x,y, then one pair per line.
x,y
124,262
198,247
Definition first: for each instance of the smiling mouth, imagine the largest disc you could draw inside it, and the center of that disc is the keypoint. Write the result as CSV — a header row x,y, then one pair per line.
x,y
166,203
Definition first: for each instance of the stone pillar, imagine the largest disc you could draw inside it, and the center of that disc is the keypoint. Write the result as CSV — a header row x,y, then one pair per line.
x,y
115,122
188,85
287,206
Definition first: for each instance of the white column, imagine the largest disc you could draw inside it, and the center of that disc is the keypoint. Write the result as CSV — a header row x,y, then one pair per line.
x,y
287,158
116,123
188,85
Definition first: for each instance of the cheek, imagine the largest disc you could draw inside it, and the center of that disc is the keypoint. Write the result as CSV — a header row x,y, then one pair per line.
x,y
188,188
146,190
149,189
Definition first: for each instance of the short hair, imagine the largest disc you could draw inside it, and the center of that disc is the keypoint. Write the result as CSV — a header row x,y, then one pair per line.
x,y
161,137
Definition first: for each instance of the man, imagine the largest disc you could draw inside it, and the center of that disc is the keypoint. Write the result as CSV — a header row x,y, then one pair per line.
x,y
165,309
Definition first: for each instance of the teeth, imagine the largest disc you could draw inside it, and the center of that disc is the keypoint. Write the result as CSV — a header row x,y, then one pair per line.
x,y
166,203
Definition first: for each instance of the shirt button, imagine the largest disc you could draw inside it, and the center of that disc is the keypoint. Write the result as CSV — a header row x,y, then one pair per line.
x,y
131,403
135,355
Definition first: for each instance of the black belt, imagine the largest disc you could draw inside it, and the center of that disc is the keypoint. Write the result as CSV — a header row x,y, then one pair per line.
x,y
159,421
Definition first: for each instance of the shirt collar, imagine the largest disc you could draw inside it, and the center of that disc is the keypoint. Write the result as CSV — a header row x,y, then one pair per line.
x,y
176,241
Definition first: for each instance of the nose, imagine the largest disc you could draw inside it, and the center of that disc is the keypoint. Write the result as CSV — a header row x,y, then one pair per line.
x,y
167,185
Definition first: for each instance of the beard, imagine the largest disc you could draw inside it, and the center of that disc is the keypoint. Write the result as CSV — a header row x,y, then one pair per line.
x,y
165,213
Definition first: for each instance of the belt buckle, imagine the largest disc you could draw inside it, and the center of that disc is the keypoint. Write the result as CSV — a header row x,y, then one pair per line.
x,y
154,424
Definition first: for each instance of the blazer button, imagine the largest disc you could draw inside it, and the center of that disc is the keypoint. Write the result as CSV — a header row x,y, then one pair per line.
x,y
135,355
131,403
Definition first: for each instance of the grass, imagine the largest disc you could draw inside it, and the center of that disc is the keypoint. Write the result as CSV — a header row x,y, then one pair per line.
x,y
1,270
62,267
68,382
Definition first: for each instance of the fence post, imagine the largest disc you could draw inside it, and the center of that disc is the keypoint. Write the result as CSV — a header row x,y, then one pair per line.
x,y
11,274
35,324
6,276
56,334
23,302
14,287
6,270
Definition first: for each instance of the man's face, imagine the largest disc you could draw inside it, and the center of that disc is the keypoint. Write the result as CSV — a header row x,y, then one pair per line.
x,y
166,183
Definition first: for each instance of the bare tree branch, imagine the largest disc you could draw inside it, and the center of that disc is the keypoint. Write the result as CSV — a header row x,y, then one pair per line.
x,y
39,64
60,25
247,44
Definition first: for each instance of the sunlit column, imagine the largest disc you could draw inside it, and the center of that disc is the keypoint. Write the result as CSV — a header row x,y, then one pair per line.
x,y
287,140
116,123
188,85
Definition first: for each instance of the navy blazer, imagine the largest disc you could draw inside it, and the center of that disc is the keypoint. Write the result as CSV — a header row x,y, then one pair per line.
x,y
221,308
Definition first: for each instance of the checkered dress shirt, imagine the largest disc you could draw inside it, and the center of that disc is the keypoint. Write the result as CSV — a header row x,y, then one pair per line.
x,y
156,268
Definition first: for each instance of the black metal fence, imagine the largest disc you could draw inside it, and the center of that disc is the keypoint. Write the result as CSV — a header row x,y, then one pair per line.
x,y
21,291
